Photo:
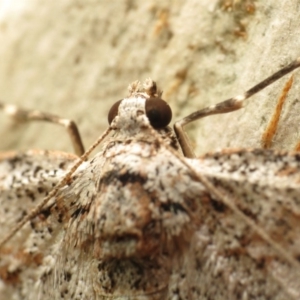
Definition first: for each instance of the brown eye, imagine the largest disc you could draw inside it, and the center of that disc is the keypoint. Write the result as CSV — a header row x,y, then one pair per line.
x,y
158,112
113,111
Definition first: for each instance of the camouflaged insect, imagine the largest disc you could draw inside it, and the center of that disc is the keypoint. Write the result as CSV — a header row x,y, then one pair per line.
x,y
140,221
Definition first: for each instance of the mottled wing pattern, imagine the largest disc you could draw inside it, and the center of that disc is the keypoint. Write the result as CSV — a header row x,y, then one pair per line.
x,y
25,179
116,231
136,222
229,259
134,234
125,235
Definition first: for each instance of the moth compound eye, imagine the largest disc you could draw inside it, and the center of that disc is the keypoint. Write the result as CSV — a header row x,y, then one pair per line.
x,y
113,112
158,112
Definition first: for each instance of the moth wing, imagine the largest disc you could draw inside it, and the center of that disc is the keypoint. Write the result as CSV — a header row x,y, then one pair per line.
x,y
231,259
25,179
73,274
127,217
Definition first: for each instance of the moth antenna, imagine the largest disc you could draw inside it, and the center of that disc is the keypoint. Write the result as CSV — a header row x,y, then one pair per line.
x,y
226,106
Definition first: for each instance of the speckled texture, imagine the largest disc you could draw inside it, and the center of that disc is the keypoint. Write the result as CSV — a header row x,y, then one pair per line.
x,y
26,178
136,221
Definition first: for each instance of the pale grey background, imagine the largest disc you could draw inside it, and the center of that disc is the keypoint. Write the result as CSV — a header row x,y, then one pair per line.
x,y
75,58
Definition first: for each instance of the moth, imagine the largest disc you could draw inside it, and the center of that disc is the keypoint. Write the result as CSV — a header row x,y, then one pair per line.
x,y
144,218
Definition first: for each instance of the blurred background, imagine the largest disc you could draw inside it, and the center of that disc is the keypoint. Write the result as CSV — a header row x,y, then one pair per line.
x,y
76,58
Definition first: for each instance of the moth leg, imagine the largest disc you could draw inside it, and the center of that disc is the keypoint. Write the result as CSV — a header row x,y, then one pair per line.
x,y
268,135
226,106
22,115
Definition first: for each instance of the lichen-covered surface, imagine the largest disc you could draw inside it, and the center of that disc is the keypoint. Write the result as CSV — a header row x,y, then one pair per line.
x,y
73,58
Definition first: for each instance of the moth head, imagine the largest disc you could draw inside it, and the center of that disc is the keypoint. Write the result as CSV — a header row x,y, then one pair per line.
x,y
156,109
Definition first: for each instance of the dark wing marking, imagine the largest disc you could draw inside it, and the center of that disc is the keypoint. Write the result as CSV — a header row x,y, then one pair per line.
x,y
25,179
